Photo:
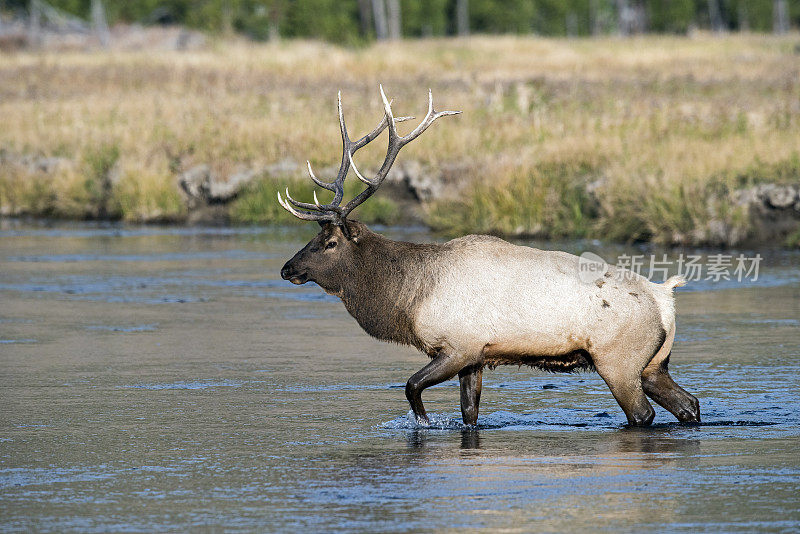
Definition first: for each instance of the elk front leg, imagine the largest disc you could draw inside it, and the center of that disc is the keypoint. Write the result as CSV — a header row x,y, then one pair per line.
x,y
442,367
471,379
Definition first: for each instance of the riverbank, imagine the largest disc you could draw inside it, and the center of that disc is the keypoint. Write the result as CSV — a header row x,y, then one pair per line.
x,y
673,140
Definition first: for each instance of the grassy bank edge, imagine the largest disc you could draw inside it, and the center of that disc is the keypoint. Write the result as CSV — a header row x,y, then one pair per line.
x,y
546,200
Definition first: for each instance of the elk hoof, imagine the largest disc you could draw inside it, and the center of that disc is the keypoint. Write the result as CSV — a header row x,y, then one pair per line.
x,y
689,413
642,419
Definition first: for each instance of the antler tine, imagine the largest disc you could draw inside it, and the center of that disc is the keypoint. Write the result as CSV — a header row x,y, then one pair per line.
x,y
324,185
336,186
427,121
396,142
338,183
342,125
333,211
394,147
348,149
303,205
306,216
368,138
387,109
357,145
359,176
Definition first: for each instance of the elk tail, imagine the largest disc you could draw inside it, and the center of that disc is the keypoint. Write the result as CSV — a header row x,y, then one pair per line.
x,y
674,281
666,302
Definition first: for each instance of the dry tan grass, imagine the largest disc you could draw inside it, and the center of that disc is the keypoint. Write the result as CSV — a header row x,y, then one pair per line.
x,y
645,115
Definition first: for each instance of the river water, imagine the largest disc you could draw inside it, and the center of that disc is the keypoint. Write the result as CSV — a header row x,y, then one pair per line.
x,y
167,379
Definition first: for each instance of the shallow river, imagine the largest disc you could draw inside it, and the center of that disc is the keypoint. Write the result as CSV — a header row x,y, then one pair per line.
x,y
158,379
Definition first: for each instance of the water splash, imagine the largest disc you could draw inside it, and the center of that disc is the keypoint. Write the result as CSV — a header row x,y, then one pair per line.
x,y
504,420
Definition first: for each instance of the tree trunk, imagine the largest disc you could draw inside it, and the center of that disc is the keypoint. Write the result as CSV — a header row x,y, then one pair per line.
x,y
623,18
379,15
744,17
572,24
462,17
780,17
364,17
275,17
594,13
394,19
715,16
227,19
639,19
35,24
99,23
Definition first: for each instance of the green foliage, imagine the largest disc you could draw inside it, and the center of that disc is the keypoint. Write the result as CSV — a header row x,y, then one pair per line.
x,y
340,21
97,184
88,191
675,16
548,200
331,20
497,16
667,211
422,19
786,171
148,197
553,200
23,193
757,14
793,240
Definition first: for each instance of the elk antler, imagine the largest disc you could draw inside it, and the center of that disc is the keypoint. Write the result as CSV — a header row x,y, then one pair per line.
x,y
334,212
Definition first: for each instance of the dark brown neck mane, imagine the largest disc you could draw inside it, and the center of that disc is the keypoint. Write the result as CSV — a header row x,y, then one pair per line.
x,y
385,282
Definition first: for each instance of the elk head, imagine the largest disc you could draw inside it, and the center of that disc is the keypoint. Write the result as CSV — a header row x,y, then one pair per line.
x,y
323,259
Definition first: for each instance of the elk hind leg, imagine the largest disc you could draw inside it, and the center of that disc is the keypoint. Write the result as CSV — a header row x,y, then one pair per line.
x,y
625,384
659,386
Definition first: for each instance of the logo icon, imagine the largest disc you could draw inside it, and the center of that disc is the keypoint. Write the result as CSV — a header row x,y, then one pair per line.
x,y
591,267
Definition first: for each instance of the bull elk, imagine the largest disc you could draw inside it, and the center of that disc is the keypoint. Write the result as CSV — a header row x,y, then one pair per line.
x,y
478,301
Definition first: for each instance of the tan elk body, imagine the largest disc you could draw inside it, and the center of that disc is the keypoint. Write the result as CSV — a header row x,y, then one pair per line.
x,y
479,301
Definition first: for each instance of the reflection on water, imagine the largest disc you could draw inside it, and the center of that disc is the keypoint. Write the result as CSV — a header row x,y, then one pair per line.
x,y
166,379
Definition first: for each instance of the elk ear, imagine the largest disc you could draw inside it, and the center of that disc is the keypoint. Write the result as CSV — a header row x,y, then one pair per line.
x,y
351,231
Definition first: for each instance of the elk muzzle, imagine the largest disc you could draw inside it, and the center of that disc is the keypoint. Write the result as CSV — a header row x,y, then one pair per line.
x,y
288,272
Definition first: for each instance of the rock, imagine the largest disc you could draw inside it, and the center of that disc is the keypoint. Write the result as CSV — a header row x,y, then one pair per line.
x,y
222,192
774,211
202,186
33,164
45,165
768,197
779,197
193,182
718,232
745,197
283,167
423,184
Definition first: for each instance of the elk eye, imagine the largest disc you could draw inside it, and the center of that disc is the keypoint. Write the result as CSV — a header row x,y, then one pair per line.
x,y
330,244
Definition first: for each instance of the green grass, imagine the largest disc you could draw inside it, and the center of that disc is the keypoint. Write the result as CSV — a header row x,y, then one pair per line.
x,y
549,200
